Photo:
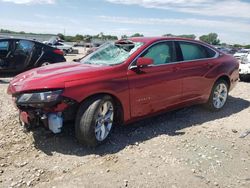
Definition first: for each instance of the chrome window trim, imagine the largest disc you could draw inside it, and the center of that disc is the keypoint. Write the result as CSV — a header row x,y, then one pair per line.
x,y
217,54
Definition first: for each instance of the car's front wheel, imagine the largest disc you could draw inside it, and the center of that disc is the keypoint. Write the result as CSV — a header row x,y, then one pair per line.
x,y
218,96
95,120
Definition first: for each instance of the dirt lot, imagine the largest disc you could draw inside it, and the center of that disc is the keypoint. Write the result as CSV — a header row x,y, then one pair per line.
x,y
190,147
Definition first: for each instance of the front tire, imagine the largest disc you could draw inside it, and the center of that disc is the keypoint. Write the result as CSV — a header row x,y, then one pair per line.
x,y
218,96
94,121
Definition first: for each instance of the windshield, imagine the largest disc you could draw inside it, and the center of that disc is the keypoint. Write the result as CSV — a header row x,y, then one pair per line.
x,y
112,53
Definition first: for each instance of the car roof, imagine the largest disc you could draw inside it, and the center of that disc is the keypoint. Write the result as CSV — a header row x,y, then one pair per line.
x,y
35,41
150,40
1,39
155,39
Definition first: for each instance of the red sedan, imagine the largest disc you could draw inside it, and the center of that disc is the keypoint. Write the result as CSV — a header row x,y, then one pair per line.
x,y
124,81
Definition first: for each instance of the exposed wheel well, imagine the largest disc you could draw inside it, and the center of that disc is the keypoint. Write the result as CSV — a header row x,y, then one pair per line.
x,y
225,78
118,105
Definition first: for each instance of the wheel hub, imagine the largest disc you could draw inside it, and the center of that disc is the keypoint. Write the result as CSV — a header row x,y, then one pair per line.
x,y
220,95
104,121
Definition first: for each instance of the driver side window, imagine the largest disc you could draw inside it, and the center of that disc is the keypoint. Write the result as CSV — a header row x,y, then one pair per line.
x,y
161,53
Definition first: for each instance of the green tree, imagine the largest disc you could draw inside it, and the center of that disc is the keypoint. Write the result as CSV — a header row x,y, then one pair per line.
x,y
168,35
211,38
237,46
61,36
78,37
191,36
137,35
124,37
69,39
224,44
247,46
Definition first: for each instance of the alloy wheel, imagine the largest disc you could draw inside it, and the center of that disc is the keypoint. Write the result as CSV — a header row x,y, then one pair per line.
x,y
220,95
104,121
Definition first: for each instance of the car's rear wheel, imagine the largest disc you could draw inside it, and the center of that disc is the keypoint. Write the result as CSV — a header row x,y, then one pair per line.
x,y
94,121
218,96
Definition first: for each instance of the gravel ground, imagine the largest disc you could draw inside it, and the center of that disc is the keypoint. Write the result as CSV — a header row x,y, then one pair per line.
x,y
191,147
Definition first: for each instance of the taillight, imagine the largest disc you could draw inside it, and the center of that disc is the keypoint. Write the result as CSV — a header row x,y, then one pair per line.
x,y
57,51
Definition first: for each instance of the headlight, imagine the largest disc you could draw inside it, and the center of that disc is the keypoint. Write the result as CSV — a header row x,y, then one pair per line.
x,y
42,97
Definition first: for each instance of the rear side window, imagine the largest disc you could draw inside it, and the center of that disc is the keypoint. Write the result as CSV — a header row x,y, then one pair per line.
x,y
25,46
192,51
4,45
161,53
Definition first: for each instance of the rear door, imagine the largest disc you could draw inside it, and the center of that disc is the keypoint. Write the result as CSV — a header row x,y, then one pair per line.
x,y
36,55
22,54
196,61
155,87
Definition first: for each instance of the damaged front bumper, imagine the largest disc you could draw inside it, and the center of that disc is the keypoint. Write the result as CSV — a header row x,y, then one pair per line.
x,y
48,114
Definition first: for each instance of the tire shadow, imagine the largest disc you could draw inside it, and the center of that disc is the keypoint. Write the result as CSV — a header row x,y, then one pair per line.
x,y
170,123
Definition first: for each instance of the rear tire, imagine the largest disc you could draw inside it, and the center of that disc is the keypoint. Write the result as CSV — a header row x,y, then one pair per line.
x,y
218,96
94,120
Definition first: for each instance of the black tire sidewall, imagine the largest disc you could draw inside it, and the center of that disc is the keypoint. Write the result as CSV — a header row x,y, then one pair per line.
x,y
86,121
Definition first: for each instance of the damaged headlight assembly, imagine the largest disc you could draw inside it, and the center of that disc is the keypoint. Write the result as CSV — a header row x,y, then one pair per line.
x,y
35,98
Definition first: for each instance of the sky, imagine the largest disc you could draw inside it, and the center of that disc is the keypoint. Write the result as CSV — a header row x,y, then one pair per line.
x,y
230,19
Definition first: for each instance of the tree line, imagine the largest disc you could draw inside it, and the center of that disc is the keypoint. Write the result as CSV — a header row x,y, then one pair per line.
x,y
86,38
211,38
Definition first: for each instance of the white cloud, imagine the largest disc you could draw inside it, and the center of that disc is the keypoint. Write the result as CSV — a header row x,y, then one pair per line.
x,y
31,1
227,8
197,23
43,26
229,31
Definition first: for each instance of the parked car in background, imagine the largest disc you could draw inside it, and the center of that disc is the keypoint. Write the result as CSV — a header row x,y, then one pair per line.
x,y
18,55
93,48
122,82
227,50
244,70
59,44
241,53
66,48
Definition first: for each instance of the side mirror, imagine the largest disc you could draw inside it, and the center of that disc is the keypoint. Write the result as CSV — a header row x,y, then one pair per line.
x,y
144,62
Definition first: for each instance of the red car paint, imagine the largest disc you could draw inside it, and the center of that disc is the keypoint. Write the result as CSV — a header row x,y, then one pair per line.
x,y
159,88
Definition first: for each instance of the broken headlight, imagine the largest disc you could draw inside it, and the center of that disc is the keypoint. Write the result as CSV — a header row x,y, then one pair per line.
x,y
39,97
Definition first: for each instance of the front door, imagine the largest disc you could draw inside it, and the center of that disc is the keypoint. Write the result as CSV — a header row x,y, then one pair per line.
x,y
155,87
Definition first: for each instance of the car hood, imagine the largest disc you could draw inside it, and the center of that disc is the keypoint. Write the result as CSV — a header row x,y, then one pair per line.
x,y
52,76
